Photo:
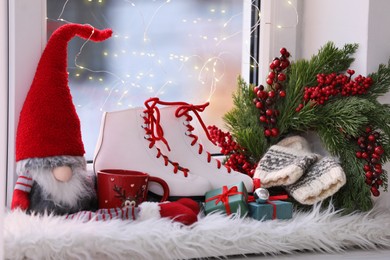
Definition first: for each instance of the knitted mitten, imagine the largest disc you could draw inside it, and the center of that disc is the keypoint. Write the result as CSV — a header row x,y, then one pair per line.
x,y
284,163
321,181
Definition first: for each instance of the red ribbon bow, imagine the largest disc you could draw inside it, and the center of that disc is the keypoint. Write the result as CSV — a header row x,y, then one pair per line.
x,y
224,197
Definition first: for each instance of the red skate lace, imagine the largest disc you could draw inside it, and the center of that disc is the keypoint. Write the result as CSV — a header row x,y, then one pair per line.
x,y
182,110
155,133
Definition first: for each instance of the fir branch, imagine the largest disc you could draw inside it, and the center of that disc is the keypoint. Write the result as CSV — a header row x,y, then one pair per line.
x,y
332,59
348,115
243,122
381,80
303,73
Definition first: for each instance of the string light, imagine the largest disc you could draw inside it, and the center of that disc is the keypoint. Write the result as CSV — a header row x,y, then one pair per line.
x,y
134,65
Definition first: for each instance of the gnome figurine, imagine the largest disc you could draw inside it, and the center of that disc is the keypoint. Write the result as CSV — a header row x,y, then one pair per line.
x,y
50,162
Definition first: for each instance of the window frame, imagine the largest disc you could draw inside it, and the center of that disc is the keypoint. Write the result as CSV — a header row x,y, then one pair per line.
x,y
26,41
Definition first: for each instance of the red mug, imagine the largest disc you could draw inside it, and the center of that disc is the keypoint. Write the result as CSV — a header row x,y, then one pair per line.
x,y
123,188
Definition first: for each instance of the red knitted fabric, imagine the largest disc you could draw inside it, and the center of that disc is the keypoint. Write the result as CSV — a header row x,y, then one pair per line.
x,y
48,122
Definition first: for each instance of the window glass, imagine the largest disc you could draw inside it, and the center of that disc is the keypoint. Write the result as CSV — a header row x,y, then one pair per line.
x,y
176,50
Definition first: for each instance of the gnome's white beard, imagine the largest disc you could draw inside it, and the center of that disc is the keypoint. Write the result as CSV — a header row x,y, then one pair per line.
x,y
65,193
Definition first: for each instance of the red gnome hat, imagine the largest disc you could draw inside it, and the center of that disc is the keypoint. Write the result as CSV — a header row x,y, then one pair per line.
x,y
48,123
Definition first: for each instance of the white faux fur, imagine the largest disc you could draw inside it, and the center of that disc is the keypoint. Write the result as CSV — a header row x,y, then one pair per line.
x,y
212,236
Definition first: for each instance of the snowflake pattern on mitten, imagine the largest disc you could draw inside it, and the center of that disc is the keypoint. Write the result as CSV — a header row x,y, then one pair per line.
x,y
321,181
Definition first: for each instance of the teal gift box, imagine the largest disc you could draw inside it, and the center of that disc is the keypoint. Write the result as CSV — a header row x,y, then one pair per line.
x,y
271,209
227,199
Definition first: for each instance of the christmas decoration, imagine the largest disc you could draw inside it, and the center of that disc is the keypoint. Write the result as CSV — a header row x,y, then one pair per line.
x,y
176,138
228,199
237,159
127,140
49,149
371,150
283,164
184,210
267,98
321,99
271,209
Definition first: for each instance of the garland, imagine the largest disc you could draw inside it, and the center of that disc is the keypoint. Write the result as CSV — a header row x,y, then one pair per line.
x,y
318,95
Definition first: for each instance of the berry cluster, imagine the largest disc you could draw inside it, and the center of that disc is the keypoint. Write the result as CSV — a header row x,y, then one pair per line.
x,y
267,98
234,152
371,151
331,85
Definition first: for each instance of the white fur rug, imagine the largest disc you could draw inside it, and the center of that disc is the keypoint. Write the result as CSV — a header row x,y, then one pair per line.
x,y
50,237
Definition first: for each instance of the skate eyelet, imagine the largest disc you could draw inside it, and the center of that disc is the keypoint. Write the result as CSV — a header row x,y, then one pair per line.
x,y
143,114
146,137
144,126
186,123
187,133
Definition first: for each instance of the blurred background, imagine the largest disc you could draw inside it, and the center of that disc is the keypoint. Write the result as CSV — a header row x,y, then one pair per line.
x,y
176,50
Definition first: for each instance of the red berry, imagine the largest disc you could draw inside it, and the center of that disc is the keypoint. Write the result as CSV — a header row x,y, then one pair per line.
x,y
274,132
371,138
271,75
269,112
269,81
259,105
267,132
263,119
282,77
369,175
375,191
282,93
276,62
367,167
283,51
359,154
271,94
379,150
284,64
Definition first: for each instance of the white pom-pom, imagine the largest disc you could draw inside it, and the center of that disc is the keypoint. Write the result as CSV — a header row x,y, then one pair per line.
x,y
149,210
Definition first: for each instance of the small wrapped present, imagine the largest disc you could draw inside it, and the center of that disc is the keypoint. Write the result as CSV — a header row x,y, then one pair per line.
x,y
228,199
271,209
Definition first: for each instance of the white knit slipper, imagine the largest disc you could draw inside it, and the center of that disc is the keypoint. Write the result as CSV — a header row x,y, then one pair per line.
x,y
285,162
321,181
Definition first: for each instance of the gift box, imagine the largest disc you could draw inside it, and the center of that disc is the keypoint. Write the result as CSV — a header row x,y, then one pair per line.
x,y
227,199
275,209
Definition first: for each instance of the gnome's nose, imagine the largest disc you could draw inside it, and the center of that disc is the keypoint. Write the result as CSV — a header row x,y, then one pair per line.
x,y
62,173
